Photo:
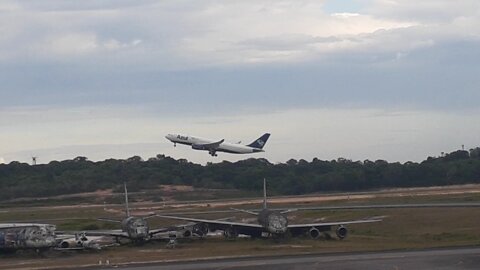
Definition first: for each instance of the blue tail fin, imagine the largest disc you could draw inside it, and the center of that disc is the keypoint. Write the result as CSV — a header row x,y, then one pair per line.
x,y
260,142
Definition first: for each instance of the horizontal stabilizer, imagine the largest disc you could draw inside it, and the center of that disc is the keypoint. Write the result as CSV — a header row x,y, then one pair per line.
x,y
109,220
289,211
245,211
150,216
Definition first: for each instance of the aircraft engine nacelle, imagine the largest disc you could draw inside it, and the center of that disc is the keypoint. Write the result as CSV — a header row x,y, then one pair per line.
x,y
314,233
186,233
198,147
73,243
64,244
342,232
200,229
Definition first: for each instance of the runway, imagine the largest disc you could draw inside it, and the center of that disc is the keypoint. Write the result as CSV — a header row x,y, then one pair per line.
x,y
441,259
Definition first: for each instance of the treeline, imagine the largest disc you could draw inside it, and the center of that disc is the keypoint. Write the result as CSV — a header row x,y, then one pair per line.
x,y
293,177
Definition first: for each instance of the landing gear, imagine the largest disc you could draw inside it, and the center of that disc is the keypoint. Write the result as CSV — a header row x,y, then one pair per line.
x,y
230,233
172,241
213,153
174,144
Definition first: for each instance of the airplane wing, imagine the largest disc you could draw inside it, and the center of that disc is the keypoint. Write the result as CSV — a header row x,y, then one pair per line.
x,y
245,211
160,230
109,220
328,224
208,146
299,229
239,227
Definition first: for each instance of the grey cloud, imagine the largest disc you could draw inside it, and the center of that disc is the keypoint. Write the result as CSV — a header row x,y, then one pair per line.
x,y
424,11
285,42
442,77
84,5
418,66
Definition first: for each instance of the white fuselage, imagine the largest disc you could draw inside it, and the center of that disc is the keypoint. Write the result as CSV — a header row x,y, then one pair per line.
x,y
196,143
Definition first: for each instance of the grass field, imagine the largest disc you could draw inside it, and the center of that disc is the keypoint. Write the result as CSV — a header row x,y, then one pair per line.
x,y
401,229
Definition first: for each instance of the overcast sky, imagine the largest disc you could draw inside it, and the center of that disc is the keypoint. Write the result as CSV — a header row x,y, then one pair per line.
x,y
375,79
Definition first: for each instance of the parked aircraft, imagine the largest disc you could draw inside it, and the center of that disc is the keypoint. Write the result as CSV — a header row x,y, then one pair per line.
x,y
17,236
133,228
271,223
213,146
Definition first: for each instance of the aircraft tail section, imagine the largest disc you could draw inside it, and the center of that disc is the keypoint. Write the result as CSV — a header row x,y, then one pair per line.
x,y
260,142
127,209
264,193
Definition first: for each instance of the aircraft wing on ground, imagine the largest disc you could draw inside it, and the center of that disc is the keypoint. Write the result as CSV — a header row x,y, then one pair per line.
x,y
109,220
314,229
213,225
160,230
336,223
245,211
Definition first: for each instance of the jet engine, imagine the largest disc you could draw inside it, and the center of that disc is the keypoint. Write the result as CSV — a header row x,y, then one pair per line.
x,y
65,244
186,233
342,232
314,233
79,242
200,229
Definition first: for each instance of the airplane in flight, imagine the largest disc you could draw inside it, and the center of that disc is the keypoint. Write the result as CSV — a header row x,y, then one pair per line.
x,y
213,146
271,223
35,236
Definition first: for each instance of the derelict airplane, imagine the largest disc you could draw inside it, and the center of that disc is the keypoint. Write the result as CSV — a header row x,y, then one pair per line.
x,y
272,223
213,146
15,236
134,228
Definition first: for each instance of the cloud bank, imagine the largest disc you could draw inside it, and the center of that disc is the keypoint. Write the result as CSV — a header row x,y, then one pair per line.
x,y
85,67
